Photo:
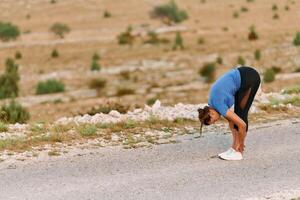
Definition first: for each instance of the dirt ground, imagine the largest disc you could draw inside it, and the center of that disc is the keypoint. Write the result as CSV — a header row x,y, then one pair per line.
x,y
178,81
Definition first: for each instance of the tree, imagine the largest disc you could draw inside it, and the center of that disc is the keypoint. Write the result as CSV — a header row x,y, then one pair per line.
x,y
8,31
9,80
60,29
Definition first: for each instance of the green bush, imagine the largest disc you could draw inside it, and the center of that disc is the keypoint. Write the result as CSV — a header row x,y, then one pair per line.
x,y
13,113
125,91
297,39
154,39
126,37
95,66
52,1
208,71
235,14
257,54
244,9
274,7
9,80
3,127
18,55
8,31
275,16
241,60
169,13
54,53
96,57
292,90
106,14
276,69
219,60
107,107
60,29
178,42
97,83
201,40
287,8
252,34
269,75
151,101
87,130
50,86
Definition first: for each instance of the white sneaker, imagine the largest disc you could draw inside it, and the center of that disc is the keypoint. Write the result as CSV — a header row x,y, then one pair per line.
x,y
232,155
225,152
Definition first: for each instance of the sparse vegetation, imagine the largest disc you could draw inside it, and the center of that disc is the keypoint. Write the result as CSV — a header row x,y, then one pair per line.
x,y
274,7
169,13
97,83
219,60
269,75
96,56
244,9
3,127
252,34
275,16
241,60
154,39
54,53
208,71
9,80
107,107
124,91
53,153
178,42
151,101
60,29
126,37
8,31
257,54
14,112
50,86
235,14
276,69
106,14
18,55
201,40
87,130
292,90
297,39
95,66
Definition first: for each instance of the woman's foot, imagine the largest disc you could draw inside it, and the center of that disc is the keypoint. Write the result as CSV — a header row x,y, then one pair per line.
x,y
231,154
226,152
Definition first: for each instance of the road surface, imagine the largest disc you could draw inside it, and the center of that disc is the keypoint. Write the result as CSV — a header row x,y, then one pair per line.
x,y
184,170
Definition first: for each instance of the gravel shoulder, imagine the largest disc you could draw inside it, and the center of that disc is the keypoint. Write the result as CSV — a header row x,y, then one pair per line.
x,y
184,170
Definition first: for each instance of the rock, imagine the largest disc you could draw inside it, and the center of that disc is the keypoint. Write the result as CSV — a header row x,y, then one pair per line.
x,y
115,114
162,141
115,138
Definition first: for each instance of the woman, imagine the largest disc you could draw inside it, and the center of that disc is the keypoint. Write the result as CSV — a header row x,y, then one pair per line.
x,y
238,87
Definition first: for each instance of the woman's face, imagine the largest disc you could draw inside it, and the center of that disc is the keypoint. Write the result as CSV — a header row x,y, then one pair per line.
x,y
214,116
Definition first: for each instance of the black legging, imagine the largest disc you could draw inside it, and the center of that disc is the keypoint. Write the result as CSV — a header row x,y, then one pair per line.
x,y
244,97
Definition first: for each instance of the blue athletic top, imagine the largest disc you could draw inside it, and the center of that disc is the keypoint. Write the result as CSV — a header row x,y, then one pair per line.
x,y
222,92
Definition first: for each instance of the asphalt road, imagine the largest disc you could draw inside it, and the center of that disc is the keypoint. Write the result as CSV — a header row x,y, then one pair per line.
x,y
185,170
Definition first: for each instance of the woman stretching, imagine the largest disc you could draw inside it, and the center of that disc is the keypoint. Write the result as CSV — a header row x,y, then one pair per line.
x,y
238,87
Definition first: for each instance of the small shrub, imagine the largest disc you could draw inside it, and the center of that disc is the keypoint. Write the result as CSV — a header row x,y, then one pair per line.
x,y
241,60
169,13
275,16
287,8
257,54
252,34
60,29
95,66
53,153
125,74
9,80
219,60
274,7
269,75
106,14
276,69
98,83
18,55
151,101
244,9
225,28
52,1
296,41
126,37
3,127
208,72
107,107
292,90
235,14
54,53
96,57
130,124
154,39
8,31
201,40
87,130
125,91
50,86
178,42
13,113
250,1
297,70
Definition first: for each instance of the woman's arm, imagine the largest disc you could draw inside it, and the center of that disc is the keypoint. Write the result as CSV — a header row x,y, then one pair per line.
x,y
235,119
